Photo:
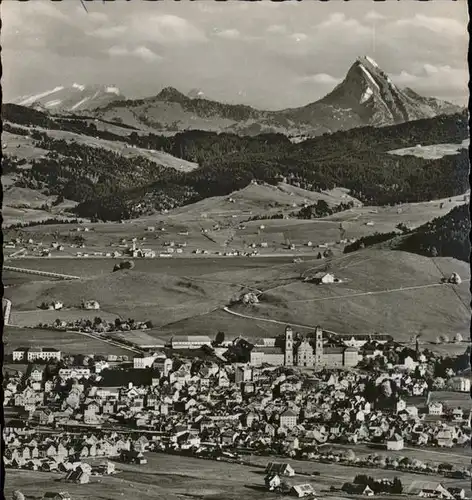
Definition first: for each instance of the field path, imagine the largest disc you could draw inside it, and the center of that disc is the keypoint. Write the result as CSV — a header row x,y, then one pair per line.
x,y
377,292
222,283
277,322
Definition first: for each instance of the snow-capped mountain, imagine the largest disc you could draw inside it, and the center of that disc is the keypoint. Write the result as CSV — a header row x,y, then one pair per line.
x,y
75,97
196,94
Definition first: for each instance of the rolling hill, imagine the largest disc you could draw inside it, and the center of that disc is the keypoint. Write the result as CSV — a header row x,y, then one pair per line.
x,y
139,295
382,291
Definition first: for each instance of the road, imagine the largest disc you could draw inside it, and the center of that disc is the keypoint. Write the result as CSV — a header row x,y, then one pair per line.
x,y
41,273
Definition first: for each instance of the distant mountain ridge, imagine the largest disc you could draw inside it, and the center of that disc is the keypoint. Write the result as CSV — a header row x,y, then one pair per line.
x,y
367,96
72,98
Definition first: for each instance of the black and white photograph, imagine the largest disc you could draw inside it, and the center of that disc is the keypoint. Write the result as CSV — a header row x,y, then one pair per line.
x,y
235,250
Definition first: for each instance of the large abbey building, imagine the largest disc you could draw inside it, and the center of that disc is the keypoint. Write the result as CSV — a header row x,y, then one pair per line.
x,y
308,353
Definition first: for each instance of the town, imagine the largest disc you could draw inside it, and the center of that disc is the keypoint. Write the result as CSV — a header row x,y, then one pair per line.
x,y
233,400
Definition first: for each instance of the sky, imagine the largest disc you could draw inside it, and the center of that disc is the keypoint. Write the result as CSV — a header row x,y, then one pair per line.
x,y
265,54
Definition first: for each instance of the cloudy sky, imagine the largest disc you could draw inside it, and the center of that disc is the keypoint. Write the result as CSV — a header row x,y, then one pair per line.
x,y
269,55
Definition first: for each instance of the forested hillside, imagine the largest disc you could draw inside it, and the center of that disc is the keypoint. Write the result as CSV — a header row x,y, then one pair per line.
x,y
111,186
447,236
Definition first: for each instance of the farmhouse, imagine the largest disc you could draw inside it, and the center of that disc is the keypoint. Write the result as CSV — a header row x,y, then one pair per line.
x,y
272,481
322,278
50,495
302,490
189,341
282,469
90,305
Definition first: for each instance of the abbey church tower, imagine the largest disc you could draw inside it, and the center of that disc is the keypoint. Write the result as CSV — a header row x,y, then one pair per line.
x,y
288,347
319,354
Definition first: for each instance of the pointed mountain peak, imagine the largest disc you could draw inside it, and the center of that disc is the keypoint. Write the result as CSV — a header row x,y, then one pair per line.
x,y
367,62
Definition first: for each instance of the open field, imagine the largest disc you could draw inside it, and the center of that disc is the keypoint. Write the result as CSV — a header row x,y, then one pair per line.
x,y
226,225
432,152
172,477
142,296
259,198
180,266
453,399
67,342
23,147
382,291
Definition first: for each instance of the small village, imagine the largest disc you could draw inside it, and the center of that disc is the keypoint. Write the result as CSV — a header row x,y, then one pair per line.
x,y
217,400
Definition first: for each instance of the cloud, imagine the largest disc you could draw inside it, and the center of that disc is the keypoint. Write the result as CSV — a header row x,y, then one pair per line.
x,y
140,52
168,29
109,32
229,34
277,29
320,78
439,25
373,15
338,23
437,80
299,37
162,29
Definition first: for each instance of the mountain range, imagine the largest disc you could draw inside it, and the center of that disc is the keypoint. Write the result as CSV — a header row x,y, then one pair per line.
x,y
366,96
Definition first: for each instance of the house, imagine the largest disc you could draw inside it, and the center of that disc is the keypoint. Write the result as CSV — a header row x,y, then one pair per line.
x,y
90,305
282,469
190,341
435,408
272,481
132,457
78,476
400,405
142,362
36,373
43,416
322,278
445,438
460,384
458,414
57,496
20,353
457,493
288,419
395,443
439,491
74,372
302,490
